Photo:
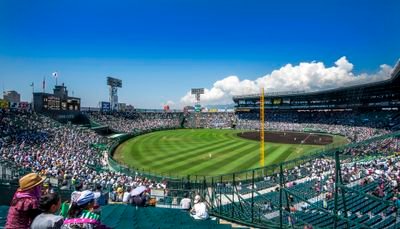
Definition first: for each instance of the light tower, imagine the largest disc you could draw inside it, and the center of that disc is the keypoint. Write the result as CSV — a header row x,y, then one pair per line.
x,y
197,92
114,85
197,107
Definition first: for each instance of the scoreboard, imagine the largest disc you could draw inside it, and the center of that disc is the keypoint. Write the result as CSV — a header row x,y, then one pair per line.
x,y
49,102
197,91
52,103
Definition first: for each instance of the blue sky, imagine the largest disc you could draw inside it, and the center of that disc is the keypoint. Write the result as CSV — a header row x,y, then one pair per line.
x,y
161,49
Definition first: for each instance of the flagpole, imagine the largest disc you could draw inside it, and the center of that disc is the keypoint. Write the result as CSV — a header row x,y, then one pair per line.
x,y
33,91
44,84
55,75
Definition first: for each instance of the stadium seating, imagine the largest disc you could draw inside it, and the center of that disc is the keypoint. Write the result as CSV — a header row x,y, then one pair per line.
x,y
26,130
210,120
372,213
134,121
126,216
120,216
3,215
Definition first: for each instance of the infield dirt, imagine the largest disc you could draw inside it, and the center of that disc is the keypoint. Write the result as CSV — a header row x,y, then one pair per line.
x,y
290,137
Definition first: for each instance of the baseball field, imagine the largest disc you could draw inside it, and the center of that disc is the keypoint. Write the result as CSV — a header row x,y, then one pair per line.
x,y
212,151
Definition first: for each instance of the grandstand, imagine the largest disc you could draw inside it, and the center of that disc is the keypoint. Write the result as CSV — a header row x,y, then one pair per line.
x,y
382,95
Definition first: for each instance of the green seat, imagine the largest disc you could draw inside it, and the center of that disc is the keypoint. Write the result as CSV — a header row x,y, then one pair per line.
x,y
127,216
3,215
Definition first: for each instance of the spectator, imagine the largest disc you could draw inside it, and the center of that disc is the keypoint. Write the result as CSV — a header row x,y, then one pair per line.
x,y
101,198
186,202
81,215
47,188
267,207
127,195
24,206
139,200
199,210
120,194
49,204
308,226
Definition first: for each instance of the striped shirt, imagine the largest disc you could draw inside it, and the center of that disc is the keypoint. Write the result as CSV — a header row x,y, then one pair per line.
x,y
89,215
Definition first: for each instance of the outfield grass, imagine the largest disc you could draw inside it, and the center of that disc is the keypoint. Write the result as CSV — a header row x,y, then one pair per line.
x,y
204,152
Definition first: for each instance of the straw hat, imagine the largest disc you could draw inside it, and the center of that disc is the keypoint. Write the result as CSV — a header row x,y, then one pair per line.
x,y
29,181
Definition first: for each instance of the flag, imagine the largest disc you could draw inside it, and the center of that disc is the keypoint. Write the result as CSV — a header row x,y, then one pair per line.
x,y
31,84
55,75
44,83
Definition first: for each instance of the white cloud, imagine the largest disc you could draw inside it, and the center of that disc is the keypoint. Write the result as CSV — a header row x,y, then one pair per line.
x,y
305,76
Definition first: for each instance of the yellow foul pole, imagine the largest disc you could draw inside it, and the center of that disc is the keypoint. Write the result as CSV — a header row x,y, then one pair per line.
x,y
262,128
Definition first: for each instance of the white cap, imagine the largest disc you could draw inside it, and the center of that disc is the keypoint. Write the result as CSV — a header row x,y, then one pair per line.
x,y
197,199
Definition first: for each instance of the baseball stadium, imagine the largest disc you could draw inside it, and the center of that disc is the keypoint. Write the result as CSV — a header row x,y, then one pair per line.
x,y
325,159
314,142
200,114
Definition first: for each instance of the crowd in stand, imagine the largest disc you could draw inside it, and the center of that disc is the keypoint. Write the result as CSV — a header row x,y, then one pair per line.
x,y
377,178
353,170
373,119
52,149
60,151
382,171
357,126
64,152
215,120
129,122
36,208
354,133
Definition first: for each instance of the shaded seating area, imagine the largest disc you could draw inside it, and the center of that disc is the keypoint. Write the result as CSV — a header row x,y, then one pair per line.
x,y
121,216
361,210
304,189
126,216
3,215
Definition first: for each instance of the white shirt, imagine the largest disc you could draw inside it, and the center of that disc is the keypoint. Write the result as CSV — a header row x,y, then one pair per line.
x,y
126,197
201,210
185,203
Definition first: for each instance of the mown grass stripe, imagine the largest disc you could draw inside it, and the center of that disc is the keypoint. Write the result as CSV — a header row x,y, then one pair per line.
x,y
249,161
278,155
222,164
141,153
165,145
252,154
163,159
178,150
199,159
190,154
